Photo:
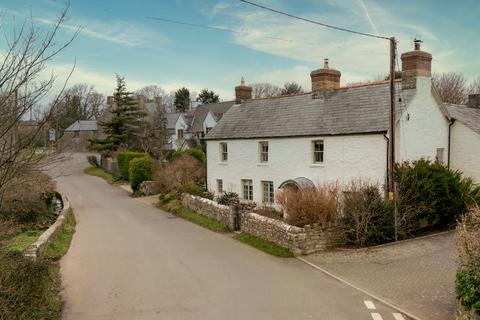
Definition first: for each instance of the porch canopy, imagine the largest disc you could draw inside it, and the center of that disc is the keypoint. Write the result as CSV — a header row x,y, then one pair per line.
x,y
298,183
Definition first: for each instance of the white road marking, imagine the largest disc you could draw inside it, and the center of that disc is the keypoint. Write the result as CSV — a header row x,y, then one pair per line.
x,y
369,304
398,316
376,316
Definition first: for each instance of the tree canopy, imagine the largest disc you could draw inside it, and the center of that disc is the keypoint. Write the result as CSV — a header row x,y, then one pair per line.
x,y
207,96
182,100
290,88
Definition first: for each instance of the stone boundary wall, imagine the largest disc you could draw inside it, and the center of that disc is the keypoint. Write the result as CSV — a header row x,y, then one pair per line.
x,y
211,209
109,164
36,249
306,240
463,314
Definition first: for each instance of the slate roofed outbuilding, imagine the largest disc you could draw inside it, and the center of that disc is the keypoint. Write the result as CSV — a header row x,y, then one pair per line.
x,y
83,125
469,116
351,110
200,113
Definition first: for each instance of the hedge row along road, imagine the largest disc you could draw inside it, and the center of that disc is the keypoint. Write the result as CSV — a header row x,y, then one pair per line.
x,y
129,261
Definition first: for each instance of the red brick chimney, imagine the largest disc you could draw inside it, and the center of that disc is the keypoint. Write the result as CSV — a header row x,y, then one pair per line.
x,y
416,63
325,79
242,92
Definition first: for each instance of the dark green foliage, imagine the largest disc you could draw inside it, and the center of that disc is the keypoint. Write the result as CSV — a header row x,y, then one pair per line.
x,y
430,196
121,129
199,191
140,170
291,88
93,161
207,96
229,198
123,162
367,217
194,152
29,290
182,100
167,197
468,288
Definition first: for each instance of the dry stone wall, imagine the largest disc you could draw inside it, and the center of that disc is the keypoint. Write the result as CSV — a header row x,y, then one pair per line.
x,y
211,209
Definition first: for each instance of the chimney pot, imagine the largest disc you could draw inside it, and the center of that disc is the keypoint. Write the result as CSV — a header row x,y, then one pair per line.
x,y
416,63
242,92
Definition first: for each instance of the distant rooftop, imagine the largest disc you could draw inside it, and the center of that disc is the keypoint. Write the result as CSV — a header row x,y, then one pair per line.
x,y
83,125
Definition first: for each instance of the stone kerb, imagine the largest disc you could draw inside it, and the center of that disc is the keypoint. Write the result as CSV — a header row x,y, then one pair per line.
x,y
306,240
36,249
211,209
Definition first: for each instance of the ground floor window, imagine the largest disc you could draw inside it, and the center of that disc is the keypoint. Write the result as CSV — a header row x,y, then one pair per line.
x,y
247,186
219,185
268,192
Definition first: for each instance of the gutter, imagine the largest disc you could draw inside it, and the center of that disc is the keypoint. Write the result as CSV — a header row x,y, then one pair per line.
x,y
452,121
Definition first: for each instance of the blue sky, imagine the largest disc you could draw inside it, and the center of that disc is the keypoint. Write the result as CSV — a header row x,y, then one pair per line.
x,y
118,37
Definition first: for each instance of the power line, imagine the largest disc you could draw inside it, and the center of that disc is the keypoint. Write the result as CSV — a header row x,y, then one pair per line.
x,y
315,22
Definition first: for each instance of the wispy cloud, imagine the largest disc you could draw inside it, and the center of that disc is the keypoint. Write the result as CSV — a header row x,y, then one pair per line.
x,y
367,16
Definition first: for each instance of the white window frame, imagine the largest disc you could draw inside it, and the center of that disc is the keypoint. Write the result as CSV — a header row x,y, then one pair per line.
x,y
263,150
321,152
223,151
247,189
268,192
220,186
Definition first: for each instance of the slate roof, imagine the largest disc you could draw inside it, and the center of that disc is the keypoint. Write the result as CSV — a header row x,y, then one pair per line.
x,y
172,119
351,110
200,113
83,125
469,116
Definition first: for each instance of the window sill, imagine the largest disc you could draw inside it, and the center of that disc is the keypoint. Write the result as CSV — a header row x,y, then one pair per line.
x,y
262,164
317,165
223,163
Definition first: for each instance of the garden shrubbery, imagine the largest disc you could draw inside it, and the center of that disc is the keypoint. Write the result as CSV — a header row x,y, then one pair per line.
x,y
93,161
123,161
194,152
228,198
468,276
140,169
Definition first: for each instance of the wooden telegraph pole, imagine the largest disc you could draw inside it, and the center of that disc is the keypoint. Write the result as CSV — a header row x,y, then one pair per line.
x,y
391,182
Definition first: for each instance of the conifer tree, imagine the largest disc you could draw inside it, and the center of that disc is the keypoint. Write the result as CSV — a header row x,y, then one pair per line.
x,y
121,129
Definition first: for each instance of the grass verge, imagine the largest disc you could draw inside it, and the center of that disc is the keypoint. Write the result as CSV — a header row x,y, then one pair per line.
x,y
23,240
59,246
264,245
175,207
99,172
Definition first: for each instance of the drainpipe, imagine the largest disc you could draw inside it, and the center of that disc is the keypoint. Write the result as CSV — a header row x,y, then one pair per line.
x,y
388,162
449,141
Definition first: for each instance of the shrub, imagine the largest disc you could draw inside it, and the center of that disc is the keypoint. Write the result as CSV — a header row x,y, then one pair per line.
x,y
468,288
430,196
93,161
123,161
269,212
166,198
229,198
140,169
194,152
310,205
196,190
184,171
367,218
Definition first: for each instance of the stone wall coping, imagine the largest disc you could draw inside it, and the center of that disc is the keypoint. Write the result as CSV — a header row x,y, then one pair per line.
x,y
285,226
207,201
34,250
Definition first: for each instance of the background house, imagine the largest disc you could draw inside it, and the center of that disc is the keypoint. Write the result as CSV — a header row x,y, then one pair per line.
x,y
75,137
332,134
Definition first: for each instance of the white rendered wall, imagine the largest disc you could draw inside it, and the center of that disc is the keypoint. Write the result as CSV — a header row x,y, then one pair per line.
x,y
422,127
346,158
465,152
180,124
209,122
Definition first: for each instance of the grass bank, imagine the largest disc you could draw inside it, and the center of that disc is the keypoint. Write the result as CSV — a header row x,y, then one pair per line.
x,y
23,240
99,172
264,245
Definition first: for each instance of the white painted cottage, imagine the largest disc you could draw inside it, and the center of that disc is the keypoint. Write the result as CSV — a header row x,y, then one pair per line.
x,y
331,134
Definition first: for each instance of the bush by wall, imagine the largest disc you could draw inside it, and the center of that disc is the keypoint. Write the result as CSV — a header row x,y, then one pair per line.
x,y
93,161
228,198
177,174
140,169
123,160
194,152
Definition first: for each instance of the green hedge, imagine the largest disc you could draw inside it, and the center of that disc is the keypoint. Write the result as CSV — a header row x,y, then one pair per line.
x,y
194,152
140,170
468,288
123,161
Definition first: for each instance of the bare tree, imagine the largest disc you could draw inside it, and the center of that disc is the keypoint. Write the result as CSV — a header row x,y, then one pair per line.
x,y
265,90
474,87
154,93
152,133
22,86
451,87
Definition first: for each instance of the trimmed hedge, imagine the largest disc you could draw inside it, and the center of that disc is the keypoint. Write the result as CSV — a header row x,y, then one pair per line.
x,y
123,161
140,170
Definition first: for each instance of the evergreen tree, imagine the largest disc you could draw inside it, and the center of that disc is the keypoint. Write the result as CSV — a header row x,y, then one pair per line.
x,y
121,129
290,88
182,100
207,96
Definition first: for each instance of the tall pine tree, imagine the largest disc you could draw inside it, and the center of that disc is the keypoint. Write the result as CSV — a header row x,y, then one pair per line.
x,y
121,129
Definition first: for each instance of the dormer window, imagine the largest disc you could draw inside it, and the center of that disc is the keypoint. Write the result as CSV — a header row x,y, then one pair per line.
x,y
180,134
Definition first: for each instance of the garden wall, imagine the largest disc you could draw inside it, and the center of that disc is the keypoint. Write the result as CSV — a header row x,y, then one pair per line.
x,y
211,209
109,164
304,240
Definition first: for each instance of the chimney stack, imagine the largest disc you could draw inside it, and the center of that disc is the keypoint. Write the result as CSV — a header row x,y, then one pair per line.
x,y
415,64
325,79
474,100
110,100
242,92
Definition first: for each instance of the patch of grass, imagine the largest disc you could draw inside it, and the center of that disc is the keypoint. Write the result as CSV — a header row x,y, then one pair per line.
x,y
264,245
99,172
59,246
23,240
175,207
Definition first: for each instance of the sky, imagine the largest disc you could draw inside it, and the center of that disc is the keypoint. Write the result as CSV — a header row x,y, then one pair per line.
x,y
120,37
